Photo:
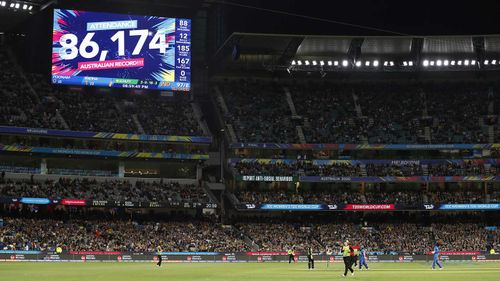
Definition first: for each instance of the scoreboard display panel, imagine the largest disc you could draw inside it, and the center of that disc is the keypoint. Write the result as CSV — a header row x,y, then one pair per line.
x,y
121,50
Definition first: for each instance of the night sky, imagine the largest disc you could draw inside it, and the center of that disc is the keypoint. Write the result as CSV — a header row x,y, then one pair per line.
x,y
421,17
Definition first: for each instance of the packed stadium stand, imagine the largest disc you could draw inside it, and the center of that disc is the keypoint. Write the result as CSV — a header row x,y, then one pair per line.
x,y
366,112
116,190
86,234
465,168
34,103
254,160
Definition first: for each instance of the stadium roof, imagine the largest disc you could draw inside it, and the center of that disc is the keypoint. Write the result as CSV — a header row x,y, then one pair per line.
x,y
275,51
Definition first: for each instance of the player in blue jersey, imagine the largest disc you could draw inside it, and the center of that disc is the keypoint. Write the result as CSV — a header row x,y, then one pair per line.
x,y
363,258
435,254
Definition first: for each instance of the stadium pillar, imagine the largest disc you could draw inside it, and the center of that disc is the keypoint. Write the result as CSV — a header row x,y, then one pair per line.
x,y
121,169
198,172
43,166
221,154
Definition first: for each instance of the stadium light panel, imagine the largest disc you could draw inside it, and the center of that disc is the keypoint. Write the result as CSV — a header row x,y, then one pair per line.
x,y
345,63
367,63
466,62
299,62
446,62
391,63
314,62
25,7
358,63
294,62
307,62
439,62
486,62
452,62
11,5
410,63
425,63
431,63
459,62
405,63
386,63
17,5
375,63
321,63
336,63
473,62
494,62
30,7
3,3
330,63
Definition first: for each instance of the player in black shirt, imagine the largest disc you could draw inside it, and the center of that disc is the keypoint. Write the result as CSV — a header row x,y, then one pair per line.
x,y
310,258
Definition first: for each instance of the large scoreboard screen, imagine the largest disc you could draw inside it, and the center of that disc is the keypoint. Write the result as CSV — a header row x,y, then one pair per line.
x,y
119,50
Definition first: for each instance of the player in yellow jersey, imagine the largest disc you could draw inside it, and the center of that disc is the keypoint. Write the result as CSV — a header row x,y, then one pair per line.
x,y
158,252
347,256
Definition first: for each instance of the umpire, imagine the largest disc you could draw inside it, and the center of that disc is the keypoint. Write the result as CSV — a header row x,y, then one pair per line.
x,y
310,258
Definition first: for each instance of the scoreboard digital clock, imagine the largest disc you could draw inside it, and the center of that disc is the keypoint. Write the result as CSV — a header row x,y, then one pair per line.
x,y
119,50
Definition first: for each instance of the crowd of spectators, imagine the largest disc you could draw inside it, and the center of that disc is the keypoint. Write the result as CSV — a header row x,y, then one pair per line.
x,y
20,106
258,111
382,238
29,100
394,170
280,237
457,110
166,116
329,113
334,170
445,197
112,112
409,238
406,197
283,197
374,170
369,112
452,169
391,112
118,190
117,235
81,233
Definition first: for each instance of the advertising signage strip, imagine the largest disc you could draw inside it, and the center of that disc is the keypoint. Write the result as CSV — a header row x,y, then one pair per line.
x,y
74,202
369,207
101,153
291,207
35,201
395,162
327,146
102,135
326,179
106,203
366,207
91,256
263,178
469,207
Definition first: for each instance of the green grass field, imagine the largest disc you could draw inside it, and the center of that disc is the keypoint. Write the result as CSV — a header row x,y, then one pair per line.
x,y
242,271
